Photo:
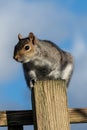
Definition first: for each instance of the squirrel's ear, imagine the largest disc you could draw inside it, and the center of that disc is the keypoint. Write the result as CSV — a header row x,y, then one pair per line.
x,y
20,36
32,38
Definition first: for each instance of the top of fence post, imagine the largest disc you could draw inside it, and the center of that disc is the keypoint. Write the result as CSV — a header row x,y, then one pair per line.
x,y
50,106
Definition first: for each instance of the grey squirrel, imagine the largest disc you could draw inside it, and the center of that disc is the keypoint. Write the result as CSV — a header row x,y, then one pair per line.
x,y
42,60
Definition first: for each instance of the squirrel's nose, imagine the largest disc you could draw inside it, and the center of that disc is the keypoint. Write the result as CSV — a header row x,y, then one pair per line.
x,y
15,57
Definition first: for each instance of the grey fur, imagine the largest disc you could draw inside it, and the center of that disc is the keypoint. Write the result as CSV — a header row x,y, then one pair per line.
x,y
48,62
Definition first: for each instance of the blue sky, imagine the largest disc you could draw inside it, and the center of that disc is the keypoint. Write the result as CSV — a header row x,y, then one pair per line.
x,y
61,21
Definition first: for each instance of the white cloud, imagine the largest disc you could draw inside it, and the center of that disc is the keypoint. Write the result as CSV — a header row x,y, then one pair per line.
x,y
19,16
50,21
79,48
47,20
78,89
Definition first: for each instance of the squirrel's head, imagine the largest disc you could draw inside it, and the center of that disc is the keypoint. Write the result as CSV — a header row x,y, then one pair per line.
x,y
25,48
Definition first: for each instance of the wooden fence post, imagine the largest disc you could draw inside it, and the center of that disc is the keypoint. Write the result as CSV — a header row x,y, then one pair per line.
x,y
50,111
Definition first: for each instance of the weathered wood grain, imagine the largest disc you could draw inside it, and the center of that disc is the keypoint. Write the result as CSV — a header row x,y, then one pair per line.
x,y
76,115
50,106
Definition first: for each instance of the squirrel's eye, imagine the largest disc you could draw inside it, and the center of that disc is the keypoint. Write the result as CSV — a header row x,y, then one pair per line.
x,y
26,47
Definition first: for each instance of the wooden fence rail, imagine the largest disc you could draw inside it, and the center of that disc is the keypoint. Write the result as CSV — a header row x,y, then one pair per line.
x,y
25,117
49,108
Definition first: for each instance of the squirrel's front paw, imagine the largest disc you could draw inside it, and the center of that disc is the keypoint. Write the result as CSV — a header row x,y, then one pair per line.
x,y
32,82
